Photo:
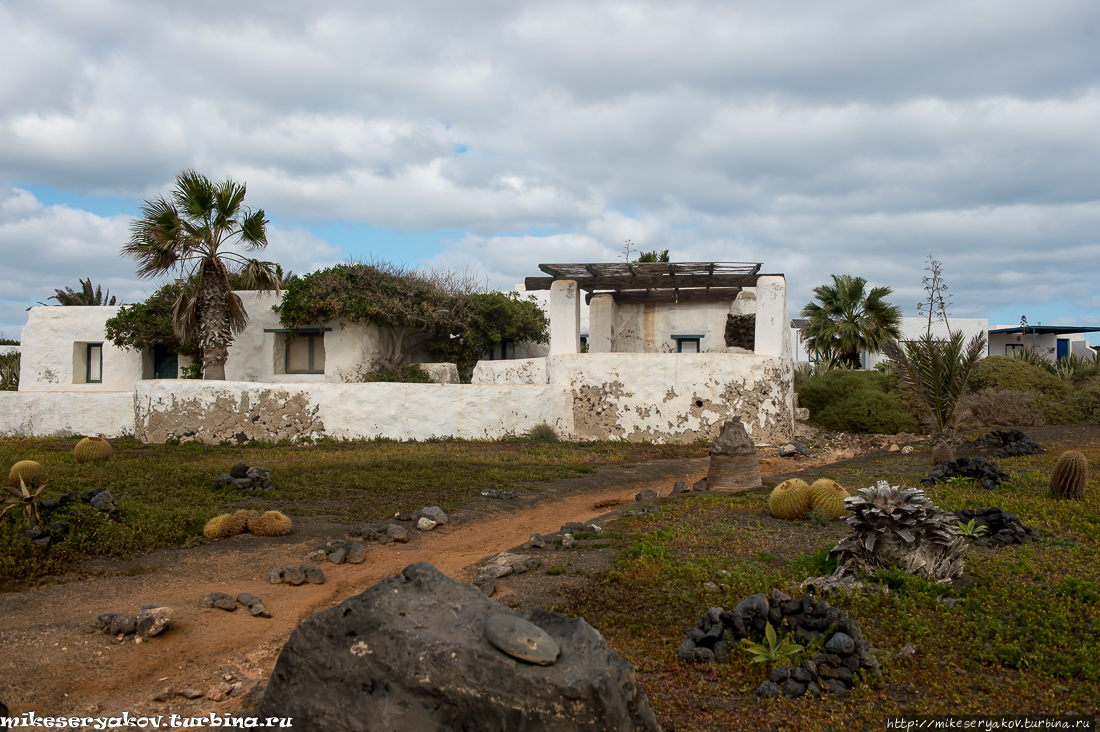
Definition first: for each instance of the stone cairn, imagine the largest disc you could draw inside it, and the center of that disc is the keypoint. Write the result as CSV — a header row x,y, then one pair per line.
x,y
984,472
291,575
1008,443
501,495
339,551
833,670
505,564
244,478
1004,528
151,620
733,460
386,532
58,513
224,601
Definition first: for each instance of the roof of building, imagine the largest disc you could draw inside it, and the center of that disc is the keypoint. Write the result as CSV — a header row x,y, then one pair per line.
x,y
1047,329
648,275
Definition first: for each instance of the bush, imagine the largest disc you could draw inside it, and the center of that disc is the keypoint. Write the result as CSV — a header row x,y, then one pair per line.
x,y
992,407
1086,404
9,372
857,401
1011,374
408,374
543,433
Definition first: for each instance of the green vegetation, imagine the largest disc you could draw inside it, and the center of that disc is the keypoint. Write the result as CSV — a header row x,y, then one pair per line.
x,y
846,319
9,372
772,650
1022,638
86,295
543,433
1071,400
937,371
148,324
856,401
438,311
408,374
165,497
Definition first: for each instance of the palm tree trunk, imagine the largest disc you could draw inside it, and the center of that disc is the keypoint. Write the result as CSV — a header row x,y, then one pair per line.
x,y
214,331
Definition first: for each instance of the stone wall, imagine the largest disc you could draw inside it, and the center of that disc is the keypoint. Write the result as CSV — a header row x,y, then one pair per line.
x,y
47,414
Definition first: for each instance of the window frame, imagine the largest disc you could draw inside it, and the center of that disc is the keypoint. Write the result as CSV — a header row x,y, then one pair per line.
x,y
88,363
681,339
312,336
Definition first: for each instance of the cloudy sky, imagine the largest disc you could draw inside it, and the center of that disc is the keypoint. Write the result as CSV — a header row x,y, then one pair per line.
x,y
815,137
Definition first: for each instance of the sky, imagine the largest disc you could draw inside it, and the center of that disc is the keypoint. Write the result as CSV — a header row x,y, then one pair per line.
x,y
815,137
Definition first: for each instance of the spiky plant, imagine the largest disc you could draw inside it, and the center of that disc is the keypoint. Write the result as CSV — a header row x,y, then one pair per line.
x,y
27,500
828,496
942,452
271,523
938,371
790,500
1070,475
895,526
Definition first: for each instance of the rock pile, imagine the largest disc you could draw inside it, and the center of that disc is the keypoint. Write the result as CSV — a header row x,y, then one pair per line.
x,y
224,601
502,565
339,551
846,651
416,652
1008,443
151,620
984,472
1004,528
386,532
793,448
244,478
500,495
57,514
288,575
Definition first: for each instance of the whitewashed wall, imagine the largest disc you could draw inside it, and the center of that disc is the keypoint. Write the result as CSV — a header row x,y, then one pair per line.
x,y
53,346
49,414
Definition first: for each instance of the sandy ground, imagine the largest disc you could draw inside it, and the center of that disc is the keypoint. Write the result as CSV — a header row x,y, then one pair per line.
x,y
54,662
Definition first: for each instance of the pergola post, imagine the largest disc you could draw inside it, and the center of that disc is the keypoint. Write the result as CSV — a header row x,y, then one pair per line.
x,y
772,320
565,317
601,323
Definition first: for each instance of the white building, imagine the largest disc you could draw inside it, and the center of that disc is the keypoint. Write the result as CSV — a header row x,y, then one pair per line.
x,y
657,367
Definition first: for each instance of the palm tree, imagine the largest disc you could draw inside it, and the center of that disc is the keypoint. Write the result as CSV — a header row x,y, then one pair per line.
x,y
849,320
190,231
938,370
85,296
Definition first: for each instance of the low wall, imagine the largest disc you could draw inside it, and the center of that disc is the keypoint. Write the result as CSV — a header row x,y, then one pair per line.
x,y
239,411
64,413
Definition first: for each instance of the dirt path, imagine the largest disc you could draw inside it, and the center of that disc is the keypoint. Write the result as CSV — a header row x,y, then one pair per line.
x,y
54,662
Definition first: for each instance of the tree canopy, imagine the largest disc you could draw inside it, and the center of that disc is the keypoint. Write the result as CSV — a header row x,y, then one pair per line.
x,y
442,312
846,319
86,295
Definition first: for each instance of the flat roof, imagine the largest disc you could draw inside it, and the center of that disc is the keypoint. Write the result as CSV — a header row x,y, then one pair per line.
x,y
1048,329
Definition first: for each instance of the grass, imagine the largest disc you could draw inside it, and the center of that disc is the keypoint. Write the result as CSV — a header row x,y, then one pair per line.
x,y
165,494
1024,637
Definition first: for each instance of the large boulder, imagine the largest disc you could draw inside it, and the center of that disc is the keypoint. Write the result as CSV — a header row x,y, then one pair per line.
x,y
412,654
733,464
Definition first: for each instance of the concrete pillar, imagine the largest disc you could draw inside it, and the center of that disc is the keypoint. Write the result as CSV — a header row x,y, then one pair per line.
x,y
565,317
772,322
601,323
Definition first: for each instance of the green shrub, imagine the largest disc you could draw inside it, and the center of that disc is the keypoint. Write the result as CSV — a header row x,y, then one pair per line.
x,y
1086,404
9,372
1011,374
857,401
408,374
543,433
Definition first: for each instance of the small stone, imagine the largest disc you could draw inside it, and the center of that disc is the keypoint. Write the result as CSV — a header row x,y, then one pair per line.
x,y
678,487
894,448
163,695
294,576
425,524
244,598
845,676
721,652
253,601
240,470
710,587
769,688
840,644
216,695
780,674
357,553
793,689
275,575
435,513
519,568
338,556
404,516
153,621
386,538
487,587
705,655
521,639
567,541
190,693
908,651
533,562
225,604
121,624
317,555
700,485
398,533
801,675
907,450
834,686
315,577
535,542
646,495
259,611
686,651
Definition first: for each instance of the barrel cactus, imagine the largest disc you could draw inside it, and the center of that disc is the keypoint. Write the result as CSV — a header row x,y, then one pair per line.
x,y
828,496
28,471
895,526
790,500
92,449
271,523
1070,475
941,453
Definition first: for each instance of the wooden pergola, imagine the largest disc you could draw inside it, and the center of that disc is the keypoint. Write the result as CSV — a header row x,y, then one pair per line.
x,y
653,282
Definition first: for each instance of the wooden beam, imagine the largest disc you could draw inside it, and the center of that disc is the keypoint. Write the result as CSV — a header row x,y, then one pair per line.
x,y
718,294
550,271
657,282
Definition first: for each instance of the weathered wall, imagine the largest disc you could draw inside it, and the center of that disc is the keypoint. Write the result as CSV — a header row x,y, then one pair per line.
x,y
648,328
52,348
513,371
47,414
676,397
237,411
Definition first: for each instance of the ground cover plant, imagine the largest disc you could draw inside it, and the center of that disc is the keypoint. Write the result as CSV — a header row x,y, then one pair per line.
x,y
164,491
1023,635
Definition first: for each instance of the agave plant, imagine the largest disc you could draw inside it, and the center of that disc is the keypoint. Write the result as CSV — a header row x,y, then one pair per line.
x,y
895,526
971,529
938,371
772,649
26,499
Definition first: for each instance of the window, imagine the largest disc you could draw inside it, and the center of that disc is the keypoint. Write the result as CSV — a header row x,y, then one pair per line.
x,y
94,374
305,353
502,351
688,343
